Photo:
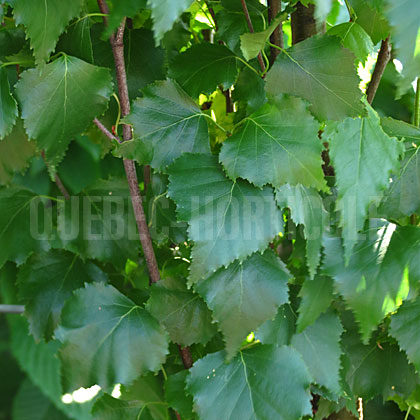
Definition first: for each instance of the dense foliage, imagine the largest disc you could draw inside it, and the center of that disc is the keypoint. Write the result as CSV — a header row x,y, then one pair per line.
x,y
279,186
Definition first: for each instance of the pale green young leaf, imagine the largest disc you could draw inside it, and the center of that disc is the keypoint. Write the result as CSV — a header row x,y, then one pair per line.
x,y
165,13
182,312
97,324
404,327
244,295
61,102
46,281
266,382
278,144
319,345
253,43
316,296
355,38
8,105
354,146
21,234
321,71
167,121
227,220
16,152
45,21
204,67
308,210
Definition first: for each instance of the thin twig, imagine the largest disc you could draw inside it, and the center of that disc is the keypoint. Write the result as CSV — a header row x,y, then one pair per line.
x,y
417,104
251,29
381,63
57,179
12,309
117,44
106,131
213,15
276,38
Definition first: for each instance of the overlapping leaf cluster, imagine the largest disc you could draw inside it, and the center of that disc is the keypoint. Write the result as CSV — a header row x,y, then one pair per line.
x,y
282,206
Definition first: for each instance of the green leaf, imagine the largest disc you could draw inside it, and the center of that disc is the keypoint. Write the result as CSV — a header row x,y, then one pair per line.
x,y
355,38
15,153
31,404
21,234
320,70
403,196
244,295
370,16
99,323
227,220
253,43
401,129
136,150
121,9
204,67
45,21
176,395
266,149
8,105
182,312
355,144
379,274
168,121
46,281
319,345
373,369
316,296
99,223
61,102
261,383
404,326
404,18
165,13
143,400
161,213
306,209
42,366
77,41
279,330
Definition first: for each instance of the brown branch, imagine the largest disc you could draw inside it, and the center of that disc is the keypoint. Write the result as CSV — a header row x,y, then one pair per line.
x,y
106,131
251,29
186,357
213,15
303,22
383,59
57,179
12,309
117,44
276,38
